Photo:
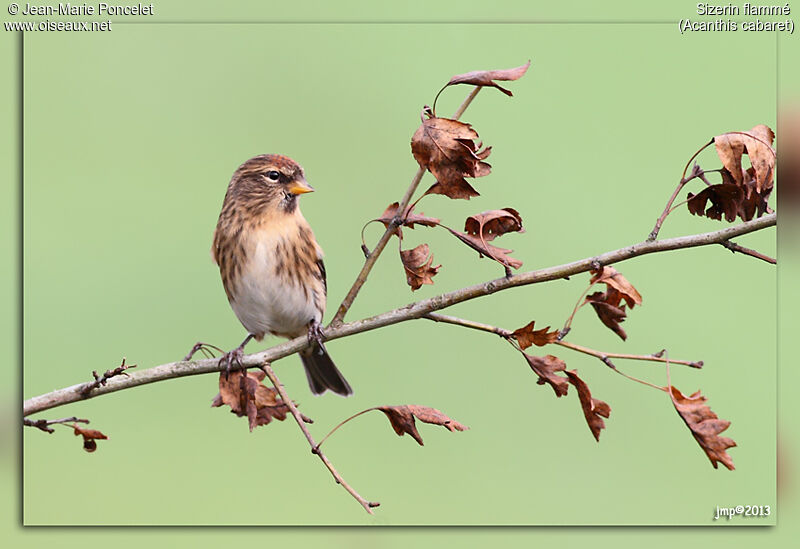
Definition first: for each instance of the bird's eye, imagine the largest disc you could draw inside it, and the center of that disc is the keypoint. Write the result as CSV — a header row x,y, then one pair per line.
x,y
273,175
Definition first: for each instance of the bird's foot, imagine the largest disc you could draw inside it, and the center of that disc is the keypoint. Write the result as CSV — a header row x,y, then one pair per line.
x,y
231,358
207,349
315,333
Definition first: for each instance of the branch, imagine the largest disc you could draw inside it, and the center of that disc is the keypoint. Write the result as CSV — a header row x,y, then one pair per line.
x,y
734,247
372,257
411,311
696,172
298,417
44,424
605,358
656,357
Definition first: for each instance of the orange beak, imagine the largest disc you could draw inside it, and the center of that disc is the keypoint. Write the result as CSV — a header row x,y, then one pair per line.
x,y
300,186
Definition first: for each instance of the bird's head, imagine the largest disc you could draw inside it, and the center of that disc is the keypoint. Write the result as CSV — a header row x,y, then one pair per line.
x,y
268,182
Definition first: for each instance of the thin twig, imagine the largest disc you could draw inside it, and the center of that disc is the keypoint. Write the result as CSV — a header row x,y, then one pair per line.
x,y
438,317
361,413
734,247
684,180
298,417
658,357
605,358
580,303
102,380
372,257
44,424
419,309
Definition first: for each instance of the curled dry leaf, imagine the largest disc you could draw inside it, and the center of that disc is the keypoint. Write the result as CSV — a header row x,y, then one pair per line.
x,y
487,78
89,437
614,279
755,143
725,201
743,192
609,311
546,367
485,249
609,305
594,410
247,396
447,149
729,199
705,426
408,219
489,225
527,336
402,419
417,263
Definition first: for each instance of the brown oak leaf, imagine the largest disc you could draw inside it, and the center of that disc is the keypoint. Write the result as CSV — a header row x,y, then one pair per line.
x,y
89,437
527,336
489,225
487,78
417,263
755,143
409,218
614,279
546,367
594,410
247,396
402,419
609,310
705,426
447,149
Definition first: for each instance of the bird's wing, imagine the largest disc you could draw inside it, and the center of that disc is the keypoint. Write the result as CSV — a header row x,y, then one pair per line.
x,y
322,274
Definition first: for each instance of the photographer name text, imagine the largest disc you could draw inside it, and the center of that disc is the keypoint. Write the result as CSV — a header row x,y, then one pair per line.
x,y
101,8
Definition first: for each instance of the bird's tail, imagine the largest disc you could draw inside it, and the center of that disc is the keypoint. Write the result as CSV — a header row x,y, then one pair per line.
x,y
322,373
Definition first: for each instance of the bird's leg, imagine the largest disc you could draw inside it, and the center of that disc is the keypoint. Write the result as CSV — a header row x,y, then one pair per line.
x,y
235,356
315,333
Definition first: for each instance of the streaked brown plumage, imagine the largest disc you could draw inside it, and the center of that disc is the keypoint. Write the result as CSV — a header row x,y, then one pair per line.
x,y
271,265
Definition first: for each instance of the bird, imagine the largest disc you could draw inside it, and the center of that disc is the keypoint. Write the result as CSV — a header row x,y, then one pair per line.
x,y
271,264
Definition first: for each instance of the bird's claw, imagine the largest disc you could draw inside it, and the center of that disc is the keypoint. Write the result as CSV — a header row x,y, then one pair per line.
x,y
315,333
230,358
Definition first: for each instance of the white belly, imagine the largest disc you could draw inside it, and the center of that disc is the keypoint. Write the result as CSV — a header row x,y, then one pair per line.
x,y
266,303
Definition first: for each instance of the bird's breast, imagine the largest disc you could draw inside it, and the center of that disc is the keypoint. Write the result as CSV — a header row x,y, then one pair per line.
x,y
276,291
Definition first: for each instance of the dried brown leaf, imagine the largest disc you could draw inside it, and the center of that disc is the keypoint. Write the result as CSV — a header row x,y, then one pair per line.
x,y
89,437
409,218
527,336
546,367
447,149
726,200
489,225
705,426
608,309
487,78
247,396
755,143
417,263
485,249
614,279
594,410
402,419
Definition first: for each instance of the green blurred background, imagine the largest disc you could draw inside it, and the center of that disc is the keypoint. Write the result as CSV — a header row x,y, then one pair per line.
x,y
130,140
